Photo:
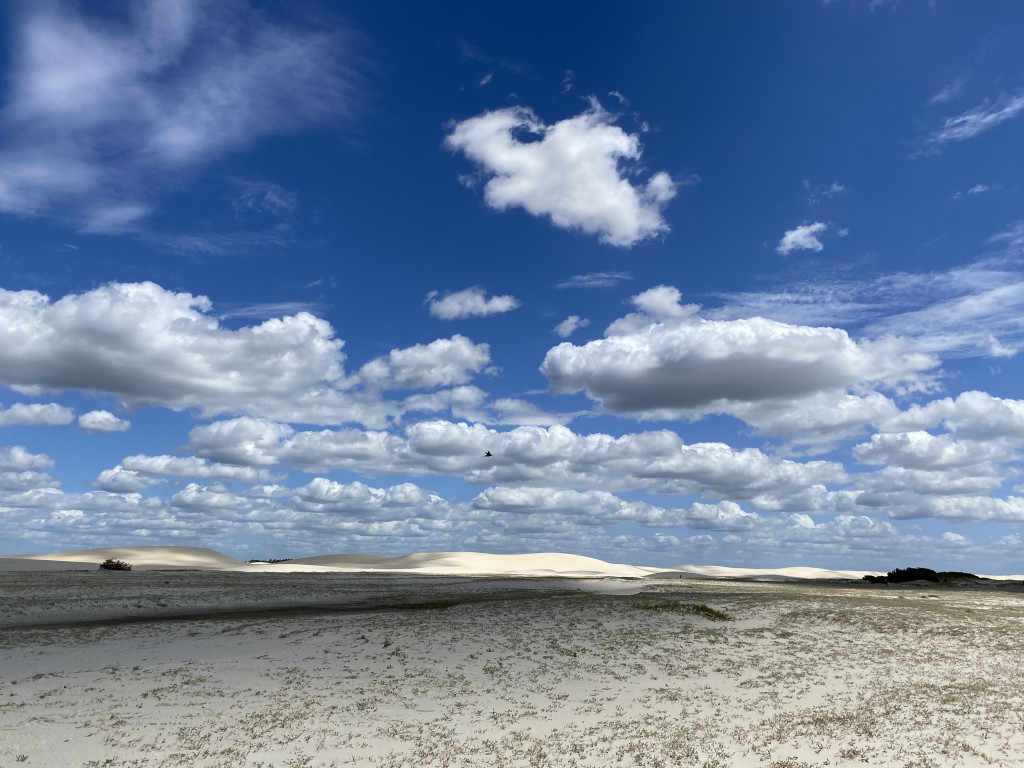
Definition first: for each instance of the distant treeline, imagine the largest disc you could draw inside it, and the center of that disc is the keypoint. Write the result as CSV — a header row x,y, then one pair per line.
x,y
919,574
271,560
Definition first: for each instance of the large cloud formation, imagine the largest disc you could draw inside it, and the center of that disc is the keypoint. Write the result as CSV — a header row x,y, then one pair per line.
x,y
570,173
555,457
152,347
666,359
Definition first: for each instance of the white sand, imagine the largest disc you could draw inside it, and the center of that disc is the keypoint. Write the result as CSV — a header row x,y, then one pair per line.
x,y
427,563
139,557
385,669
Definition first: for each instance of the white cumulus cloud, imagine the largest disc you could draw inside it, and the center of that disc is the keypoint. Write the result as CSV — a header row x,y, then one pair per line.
x,y
668,358
17,458
36,415
922,450
970,415
570,325
443,362
121,480
569,172
192,466
802,238
469,302
102,421
150,346
552,456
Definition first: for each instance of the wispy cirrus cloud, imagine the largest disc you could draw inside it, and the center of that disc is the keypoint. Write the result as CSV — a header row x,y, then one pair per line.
x,y
96,110
280,236
595,280
972,311
816,193
1013,238
975,121
948,92
977,189
269,309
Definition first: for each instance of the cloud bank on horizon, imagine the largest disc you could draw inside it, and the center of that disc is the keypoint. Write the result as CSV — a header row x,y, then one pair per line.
x,y
285,283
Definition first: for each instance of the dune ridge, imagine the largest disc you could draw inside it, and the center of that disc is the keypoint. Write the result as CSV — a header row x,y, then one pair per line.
x,y
155,557
421,563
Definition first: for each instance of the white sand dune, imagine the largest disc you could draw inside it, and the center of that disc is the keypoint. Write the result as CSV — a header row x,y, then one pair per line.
x,y
478,563
422,563
763,574
139,557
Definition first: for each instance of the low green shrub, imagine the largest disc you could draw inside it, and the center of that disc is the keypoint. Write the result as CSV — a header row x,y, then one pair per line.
x,y
113,564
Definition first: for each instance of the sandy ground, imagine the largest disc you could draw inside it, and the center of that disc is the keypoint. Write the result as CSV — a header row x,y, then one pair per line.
x,y
223,668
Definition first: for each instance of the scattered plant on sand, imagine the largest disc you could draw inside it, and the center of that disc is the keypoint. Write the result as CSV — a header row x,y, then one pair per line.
x,y
698,608
113,564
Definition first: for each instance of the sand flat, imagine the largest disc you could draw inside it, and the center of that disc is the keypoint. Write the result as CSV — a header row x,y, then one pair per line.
x,y
333,669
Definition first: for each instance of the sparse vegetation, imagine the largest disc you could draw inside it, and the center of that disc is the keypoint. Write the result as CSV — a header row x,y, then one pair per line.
x,y
698,608
113,564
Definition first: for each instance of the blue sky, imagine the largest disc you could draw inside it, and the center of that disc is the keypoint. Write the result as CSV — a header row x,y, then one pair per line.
x,y
735,283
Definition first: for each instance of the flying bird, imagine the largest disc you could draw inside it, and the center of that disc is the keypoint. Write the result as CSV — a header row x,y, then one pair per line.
x,y
487,454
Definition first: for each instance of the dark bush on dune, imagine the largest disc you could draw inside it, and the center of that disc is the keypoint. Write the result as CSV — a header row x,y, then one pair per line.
x,y
919,574
912,574
113,564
